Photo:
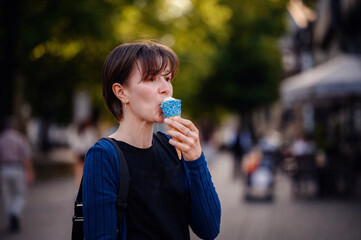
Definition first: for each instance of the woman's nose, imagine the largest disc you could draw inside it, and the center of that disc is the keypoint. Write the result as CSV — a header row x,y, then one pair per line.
x,y
165,85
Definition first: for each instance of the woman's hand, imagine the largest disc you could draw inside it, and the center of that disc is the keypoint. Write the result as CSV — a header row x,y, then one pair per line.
x,y
188,135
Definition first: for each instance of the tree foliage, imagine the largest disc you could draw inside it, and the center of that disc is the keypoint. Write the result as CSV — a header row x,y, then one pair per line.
x,y
227,49
248,67
63,44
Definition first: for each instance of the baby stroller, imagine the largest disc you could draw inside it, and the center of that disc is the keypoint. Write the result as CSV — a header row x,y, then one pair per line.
x,y
259,169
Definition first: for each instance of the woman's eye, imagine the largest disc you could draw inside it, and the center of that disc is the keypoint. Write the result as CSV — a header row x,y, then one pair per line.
x,y
152,79
168,79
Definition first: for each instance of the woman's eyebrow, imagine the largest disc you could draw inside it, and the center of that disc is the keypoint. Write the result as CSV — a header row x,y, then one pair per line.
x,y
167,73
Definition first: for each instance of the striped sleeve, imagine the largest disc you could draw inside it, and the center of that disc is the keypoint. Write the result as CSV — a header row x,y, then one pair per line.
x,y
100,186
205,204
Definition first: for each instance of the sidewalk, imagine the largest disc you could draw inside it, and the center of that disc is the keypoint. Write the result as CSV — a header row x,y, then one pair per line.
x,y
49,208
48,211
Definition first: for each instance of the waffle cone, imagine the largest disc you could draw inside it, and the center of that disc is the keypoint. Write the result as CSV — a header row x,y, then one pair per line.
x,y
177,140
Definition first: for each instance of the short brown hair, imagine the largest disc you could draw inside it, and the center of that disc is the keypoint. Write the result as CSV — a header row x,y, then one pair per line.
x,y
153,58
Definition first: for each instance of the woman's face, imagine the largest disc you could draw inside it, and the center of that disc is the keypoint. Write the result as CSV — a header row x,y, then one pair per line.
x,y
146,96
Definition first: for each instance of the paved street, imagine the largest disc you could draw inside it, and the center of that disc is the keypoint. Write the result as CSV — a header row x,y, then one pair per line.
x,y
49,209
48,212
285,218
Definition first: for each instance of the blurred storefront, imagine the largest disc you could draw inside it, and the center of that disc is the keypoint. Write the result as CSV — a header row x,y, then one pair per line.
x,y
321,95
330,94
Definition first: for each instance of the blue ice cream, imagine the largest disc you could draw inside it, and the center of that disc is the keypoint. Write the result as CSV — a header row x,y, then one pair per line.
x,y
171,107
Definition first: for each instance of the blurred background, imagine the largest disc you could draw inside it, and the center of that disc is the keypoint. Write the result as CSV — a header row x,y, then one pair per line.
x,y
274,87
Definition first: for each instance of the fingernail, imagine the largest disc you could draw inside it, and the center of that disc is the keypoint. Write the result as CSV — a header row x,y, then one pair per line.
x,y
166,120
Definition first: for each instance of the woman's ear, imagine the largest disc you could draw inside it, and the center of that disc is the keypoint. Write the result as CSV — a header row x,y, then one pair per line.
x,y
120,93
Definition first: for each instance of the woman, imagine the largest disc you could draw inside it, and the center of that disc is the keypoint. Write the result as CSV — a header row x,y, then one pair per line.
x,y
165,195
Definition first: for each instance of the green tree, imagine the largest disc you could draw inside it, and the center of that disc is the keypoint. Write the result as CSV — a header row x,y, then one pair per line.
x,y
63,44
227,49
248,68
194,29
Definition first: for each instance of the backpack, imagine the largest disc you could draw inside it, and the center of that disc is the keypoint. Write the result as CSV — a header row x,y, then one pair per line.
x,y
77,228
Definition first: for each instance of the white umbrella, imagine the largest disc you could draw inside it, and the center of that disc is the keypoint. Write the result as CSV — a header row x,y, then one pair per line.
x,y
338,77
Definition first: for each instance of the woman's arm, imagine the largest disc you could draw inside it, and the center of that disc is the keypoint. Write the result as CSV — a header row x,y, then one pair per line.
x,y
205,204
100,187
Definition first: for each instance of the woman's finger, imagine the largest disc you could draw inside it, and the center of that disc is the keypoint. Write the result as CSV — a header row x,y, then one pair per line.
x,y
186,123
189,138
177,125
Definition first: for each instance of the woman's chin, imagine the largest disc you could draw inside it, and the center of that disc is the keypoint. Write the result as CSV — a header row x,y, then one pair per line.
x,y
161,119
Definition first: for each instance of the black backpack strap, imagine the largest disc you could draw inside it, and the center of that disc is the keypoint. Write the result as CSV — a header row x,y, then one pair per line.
x,y
123,184
79,197
77,231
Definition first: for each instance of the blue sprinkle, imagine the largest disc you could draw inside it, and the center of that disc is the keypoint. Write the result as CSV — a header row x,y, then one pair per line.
x,y
171,108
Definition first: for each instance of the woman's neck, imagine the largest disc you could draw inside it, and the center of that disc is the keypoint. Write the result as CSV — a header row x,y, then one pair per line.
x,y
139,135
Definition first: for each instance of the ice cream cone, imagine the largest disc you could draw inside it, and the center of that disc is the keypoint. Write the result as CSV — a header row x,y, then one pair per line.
x,y
171,108
179,153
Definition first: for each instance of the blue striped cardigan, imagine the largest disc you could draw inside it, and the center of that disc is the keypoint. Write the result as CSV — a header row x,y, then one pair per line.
x,y
100,186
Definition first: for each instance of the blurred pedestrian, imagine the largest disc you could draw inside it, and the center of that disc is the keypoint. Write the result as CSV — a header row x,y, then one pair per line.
x,y
81,139
166,195
209,144
237,151
303,150
15,171
241,145
302,146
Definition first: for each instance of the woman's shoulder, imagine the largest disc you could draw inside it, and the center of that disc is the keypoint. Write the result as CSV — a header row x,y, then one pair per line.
x,y
100,144
102,157
103,146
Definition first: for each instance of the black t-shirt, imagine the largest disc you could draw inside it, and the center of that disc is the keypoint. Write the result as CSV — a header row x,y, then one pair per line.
x,y
158,200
